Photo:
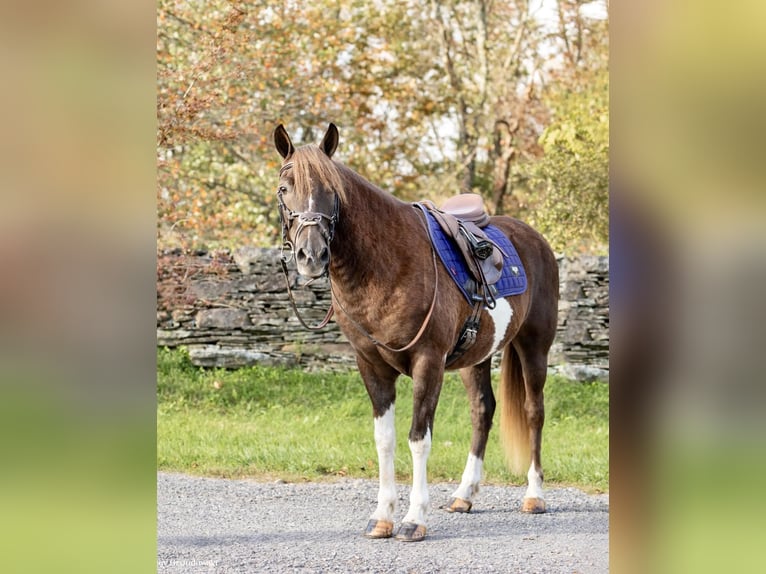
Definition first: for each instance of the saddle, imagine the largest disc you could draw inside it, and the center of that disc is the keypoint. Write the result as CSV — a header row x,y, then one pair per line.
x,y
462,218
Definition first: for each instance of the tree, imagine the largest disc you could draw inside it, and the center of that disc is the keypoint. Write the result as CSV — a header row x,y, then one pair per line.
x,y
230,72
573,172
572,177
489,50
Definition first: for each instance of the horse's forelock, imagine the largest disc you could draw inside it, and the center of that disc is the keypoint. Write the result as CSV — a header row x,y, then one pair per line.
x,y
311,162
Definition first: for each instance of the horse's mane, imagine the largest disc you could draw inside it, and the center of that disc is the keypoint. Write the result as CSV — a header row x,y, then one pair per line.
x,y
309,161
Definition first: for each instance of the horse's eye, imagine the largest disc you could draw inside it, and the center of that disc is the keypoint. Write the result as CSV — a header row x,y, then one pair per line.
x,y
282,189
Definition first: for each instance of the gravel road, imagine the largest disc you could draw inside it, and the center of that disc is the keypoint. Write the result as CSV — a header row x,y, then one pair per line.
x,y
227,526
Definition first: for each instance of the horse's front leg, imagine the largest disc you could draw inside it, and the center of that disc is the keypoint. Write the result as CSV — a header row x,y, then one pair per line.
x,y
381,386
427,381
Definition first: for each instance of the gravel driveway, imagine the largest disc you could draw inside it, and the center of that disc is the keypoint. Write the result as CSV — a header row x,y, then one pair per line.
x,y
218,525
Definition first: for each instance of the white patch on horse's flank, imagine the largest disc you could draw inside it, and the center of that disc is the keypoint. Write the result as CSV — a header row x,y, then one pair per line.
x,y
501,319
469,484
419,495
385,443
534,483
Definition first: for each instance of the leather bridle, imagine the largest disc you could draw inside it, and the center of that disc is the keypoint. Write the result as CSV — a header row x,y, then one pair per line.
x,y
305,219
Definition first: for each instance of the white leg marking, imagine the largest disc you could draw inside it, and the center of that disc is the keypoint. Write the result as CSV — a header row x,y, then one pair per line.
x,y
419,495
385,443
534,483
469,484
501,319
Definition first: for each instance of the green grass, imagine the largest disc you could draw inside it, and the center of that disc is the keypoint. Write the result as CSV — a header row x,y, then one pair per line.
x,y
275,423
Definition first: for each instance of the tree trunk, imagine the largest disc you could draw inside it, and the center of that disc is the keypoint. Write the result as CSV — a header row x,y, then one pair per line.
x,y
469,173
503,155
467,151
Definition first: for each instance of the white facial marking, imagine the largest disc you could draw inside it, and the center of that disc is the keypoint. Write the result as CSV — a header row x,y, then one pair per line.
x,y
385,443
311,203
419,495
501,319
469,484
534,483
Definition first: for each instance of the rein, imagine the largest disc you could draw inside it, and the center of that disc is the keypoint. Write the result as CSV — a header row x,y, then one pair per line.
x,y
323,323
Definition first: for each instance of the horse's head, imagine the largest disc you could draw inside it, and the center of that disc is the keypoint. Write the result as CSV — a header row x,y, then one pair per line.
x,y
308,196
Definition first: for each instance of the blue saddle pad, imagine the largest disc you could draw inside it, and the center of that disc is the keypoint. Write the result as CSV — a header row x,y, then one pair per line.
x,y
513,281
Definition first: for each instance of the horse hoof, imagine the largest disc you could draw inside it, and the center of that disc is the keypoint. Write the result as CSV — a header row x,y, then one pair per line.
x,y
410,532
533,506
379,529
459,505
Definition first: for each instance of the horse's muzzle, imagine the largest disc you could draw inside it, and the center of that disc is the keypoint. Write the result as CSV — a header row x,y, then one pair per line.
x,y
312,264
312,256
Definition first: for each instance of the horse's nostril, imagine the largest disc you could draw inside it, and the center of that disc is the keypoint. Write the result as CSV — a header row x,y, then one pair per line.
x,y
301,256
324,255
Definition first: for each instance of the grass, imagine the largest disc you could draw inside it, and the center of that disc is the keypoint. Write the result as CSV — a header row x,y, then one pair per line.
x,y
268,423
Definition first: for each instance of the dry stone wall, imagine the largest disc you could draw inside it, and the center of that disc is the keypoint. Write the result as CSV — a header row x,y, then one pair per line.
x,y
581,348
233,311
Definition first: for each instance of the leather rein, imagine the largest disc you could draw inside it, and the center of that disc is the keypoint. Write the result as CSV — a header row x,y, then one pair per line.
x,y
309,218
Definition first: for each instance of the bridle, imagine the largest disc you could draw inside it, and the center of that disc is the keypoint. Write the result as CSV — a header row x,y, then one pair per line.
x,y
308,218
305,219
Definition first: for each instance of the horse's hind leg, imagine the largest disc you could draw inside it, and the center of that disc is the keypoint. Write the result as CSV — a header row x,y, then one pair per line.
x,y
534,362
478,384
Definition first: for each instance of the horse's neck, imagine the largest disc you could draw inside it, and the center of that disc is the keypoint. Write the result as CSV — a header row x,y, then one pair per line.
x,y
366,237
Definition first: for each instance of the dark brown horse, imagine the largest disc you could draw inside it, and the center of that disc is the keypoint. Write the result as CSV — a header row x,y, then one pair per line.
x,y
403,314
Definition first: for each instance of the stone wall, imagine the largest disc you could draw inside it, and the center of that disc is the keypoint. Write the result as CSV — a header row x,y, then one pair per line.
x,y
581,348
233,311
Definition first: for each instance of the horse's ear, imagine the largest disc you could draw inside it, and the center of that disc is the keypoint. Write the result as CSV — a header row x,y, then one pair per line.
x,y
330,140
282,142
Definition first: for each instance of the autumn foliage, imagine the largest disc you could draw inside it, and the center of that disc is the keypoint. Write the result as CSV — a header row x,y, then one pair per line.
x,y
431,99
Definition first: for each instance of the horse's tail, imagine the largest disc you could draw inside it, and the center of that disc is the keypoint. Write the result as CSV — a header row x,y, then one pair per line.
x,y
514,428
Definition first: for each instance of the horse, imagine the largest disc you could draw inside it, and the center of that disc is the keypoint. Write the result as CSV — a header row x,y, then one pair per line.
x,y
403,314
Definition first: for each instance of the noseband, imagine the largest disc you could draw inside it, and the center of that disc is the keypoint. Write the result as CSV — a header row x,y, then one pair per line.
x,y
305,219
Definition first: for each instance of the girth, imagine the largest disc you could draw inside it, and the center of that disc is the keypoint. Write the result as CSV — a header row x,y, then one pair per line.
x,y
468,334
